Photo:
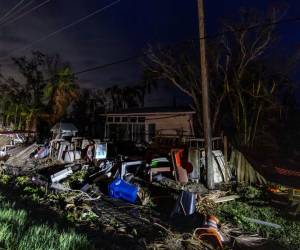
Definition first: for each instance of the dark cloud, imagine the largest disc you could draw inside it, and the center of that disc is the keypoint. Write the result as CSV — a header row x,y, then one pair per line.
x,y
119,32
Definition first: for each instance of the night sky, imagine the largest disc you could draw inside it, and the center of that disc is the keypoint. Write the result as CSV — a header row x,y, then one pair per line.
x,y
121,31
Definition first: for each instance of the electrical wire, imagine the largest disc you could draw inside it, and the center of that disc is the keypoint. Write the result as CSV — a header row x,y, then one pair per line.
x,y
132,58
124,60
128,59
61,29
25,13
17,12
11,11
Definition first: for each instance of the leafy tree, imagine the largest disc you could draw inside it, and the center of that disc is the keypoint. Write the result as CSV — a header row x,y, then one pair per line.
x,y
246,92
44,96
59,94
126,97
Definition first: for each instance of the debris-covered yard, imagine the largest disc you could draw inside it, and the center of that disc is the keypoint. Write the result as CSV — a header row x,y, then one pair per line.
x,y
76,194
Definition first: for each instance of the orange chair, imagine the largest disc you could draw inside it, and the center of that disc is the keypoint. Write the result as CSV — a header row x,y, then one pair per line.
x,y
210,232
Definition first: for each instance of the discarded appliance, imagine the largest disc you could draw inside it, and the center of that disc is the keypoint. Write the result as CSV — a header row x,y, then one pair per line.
x,y
122,190
101,151
210,232
195,159
185,204
61,175
130,166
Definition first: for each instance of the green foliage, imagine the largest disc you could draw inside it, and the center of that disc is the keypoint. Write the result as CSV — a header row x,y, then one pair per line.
x,y
4,179
22,181
250,193
237,211
77,178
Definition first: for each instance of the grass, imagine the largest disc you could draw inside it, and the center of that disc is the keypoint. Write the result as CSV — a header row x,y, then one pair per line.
x,y
255,206
17,232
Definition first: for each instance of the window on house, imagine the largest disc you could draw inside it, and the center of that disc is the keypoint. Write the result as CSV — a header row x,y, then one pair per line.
x,y
133,119
141,119
151,130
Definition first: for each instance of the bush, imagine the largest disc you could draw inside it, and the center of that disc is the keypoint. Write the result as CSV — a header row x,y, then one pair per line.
x,y
237,211
4,179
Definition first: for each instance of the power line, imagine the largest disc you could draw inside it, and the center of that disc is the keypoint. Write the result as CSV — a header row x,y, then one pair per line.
x,y
11,10
62,29
131,58
25,13
125,60
17,12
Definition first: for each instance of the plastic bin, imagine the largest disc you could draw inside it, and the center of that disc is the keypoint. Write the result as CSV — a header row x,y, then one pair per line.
x,y
122,190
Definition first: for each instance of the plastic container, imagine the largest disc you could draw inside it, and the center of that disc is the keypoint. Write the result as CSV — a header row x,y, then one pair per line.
x,y
185,204
122,190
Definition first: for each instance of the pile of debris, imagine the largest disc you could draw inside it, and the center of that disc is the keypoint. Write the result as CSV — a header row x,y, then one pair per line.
x,y
147,194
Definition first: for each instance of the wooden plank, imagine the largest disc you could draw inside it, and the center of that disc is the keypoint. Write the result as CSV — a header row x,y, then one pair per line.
x,y
226,198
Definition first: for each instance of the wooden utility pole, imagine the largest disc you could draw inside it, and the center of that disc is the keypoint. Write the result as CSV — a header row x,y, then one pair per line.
x,y
205,99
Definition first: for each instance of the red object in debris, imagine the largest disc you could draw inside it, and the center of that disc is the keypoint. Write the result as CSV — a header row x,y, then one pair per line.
x,y
287,172
210,232
181,172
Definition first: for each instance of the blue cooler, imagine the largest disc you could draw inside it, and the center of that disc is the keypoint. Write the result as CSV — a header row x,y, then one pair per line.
x,y
122,190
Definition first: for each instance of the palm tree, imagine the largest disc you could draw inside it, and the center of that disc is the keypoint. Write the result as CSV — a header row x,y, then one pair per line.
x,y
59,94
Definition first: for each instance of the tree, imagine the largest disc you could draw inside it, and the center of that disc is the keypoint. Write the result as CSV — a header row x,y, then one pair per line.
x,y
86,109
244,87
44,96
32,70
126,97
179,66
60,93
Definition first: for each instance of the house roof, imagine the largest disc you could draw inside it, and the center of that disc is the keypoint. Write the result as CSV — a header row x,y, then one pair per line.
x,y
152,110
64,127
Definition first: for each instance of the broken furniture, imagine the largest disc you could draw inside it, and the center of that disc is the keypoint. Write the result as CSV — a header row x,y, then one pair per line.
x,y
159,165
210,232
64,151
181,165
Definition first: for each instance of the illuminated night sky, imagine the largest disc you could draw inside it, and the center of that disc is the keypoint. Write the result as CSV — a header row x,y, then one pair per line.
x,y
121,31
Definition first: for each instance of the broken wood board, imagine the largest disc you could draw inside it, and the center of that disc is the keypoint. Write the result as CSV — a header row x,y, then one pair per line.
x,y
226,198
